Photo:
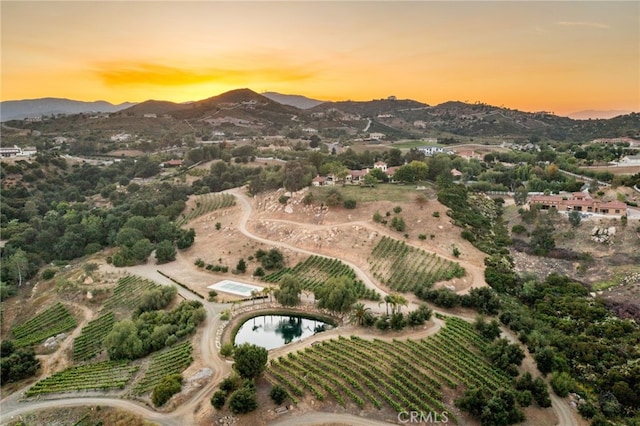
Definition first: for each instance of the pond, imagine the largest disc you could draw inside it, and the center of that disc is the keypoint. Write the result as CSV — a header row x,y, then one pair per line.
x,y
274,331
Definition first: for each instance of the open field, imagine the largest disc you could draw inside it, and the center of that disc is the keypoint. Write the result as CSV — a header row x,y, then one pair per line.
x,y
616,170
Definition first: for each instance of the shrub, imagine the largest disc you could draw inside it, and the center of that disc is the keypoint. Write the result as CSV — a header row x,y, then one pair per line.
x,y
243,401
377,217
456,251
199,263
218,226
212,295
397,209
422,237
398,224
468,235
218,399
169,386
435,214
241,266
561,383
225,316
226,349
518,229
47,274
259,272
283,199
278,394
349,204
230,383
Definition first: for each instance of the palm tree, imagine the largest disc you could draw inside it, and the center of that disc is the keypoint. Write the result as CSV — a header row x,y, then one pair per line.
x,y
359,313
254,294
399,301
386,301
266,291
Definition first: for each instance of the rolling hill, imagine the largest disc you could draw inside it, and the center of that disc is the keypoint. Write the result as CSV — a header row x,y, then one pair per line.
x,y
30,108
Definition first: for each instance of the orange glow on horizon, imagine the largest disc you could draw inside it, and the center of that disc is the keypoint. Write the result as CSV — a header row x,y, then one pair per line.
x,y
554,56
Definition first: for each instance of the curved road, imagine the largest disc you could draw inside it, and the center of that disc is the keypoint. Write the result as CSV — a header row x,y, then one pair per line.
x,y
12,406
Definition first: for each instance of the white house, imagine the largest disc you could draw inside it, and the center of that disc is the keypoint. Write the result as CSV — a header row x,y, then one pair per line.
x,y
376,136
381,165
430,151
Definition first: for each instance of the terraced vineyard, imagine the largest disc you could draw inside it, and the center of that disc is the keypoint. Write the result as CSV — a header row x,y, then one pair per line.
x,y
206,203
316,270
406,375
89,343
172,361
106,375
50,322
128,292
404,268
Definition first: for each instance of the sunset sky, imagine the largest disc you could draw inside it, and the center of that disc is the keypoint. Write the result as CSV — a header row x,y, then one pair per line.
x,y
554,56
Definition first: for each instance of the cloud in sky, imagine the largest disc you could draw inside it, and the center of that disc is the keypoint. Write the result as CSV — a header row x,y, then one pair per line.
x,y
587,24
151,74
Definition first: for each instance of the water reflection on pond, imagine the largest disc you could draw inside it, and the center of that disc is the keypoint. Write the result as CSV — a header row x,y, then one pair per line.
x,y
274,331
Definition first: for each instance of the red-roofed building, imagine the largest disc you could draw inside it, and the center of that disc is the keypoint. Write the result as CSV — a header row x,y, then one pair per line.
x,y
172,163
579,202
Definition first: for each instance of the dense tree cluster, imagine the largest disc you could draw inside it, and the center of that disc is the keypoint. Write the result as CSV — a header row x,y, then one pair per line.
x,y
16,364
569,332
55,218
153,330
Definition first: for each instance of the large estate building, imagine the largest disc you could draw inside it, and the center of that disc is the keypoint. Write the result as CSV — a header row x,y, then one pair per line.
x,y
579,202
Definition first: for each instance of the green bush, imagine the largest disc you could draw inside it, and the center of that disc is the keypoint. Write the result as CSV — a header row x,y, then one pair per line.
x,y
561,383
226,349
397,209
47,274
518,229
435,214
218,399
398,224
243,401
349,204
278,394
169,386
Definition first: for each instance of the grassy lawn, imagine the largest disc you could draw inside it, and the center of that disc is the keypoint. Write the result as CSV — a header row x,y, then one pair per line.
x,y
411,144
382,192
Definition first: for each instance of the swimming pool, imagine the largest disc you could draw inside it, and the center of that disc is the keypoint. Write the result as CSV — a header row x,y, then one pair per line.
x,y
234,287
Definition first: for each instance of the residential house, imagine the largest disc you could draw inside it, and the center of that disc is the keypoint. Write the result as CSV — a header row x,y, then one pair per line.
x,y
579,202
7,151
319,181
172,163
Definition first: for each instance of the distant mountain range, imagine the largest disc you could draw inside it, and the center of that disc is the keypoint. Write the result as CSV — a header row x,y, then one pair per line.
x,y
30,108
297,101
245,113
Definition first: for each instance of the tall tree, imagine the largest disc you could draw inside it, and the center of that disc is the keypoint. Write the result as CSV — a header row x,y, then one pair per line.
x,y
123,342
337,294
18,266
289,292
250,360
